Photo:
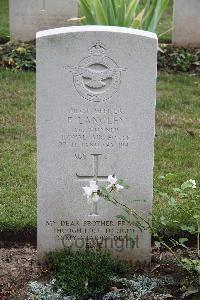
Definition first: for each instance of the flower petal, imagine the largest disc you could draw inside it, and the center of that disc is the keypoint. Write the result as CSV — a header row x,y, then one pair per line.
x,y
112,179
119,187
94,186
88,191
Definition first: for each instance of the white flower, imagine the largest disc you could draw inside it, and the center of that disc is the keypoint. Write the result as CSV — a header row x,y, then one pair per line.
x,y
112,179
113,183
92,191
193,182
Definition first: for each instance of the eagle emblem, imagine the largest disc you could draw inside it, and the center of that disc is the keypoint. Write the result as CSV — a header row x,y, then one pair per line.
x,y
97,77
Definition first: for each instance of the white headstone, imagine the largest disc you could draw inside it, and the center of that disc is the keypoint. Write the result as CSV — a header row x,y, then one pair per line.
x,y
186,30
29,16
96,92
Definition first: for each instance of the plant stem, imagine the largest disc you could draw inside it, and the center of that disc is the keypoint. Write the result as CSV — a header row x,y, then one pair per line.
x,y
198,241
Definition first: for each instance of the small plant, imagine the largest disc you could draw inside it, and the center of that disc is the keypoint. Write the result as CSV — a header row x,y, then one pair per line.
x,y
85,274
40,291
185,200
186,192
178,59
137,288
20,56
124,13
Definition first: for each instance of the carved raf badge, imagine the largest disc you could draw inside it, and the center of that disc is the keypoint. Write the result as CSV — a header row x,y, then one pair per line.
x,y
97,77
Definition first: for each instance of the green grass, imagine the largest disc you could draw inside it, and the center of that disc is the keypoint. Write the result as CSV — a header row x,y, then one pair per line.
x,y
177,143
178,120
4,20
177,146
17,151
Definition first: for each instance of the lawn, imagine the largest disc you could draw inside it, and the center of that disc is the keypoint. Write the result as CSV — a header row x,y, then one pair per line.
x,y
177,142
4,20
17,151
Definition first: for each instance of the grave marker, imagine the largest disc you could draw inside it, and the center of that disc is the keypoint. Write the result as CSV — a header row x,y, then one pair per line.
x,y
29,16
96,91
186,23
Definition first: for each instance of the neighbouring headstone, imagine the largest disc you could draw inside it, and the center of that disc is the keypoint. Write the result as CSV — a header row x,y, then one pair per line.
x,y
186,25
29,16
96,93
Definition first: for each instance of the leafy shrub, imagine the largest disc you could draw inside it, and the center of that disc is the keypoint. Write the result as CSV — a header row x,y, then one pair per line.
x,y
85,274
126,13
182,208
18,56
22,57
178,59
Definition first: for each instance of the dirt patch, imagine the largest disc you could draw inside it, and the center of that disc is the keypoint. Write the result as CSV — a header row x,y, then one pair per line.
x,y
18,266
27,236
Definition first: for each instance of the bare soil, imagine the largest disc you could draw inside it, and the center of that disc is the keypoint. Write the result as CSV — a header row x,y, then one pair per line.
x,y
18,266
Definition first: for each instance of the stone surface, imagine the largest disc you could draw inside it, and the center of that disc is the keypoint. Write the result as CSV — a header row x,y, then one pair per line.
x,y
29,16
96,91
186,23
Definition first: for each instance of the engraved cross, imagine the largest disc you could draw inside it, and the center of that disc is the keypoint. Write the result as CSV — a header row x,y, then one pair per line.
x,y
43,5
96,177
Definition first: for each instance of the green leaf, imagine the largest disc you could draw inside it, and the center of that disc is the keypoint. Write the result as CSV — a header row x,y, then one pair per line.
x,y
131,12
187,184
87,11
190,229
121,13
104,192
132,238
163,220
169,175
183,240
123,183
157,244
100,13
164,195
172,202
197,217
110,13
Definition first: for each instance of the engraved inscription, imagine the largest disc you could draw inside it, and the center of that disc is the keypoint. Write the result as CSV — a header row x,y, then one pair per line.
x,y
97,77
108,234
95,128
96,177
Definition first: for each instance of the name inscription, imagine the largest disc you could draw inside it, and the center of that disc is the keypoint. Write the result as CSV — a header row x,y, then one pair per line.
x,y
95,128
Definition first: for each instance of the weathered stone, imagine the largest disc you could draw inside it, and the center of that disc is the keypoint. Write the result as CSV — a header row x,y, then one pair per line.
x,y
29,16
96,91
186,30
